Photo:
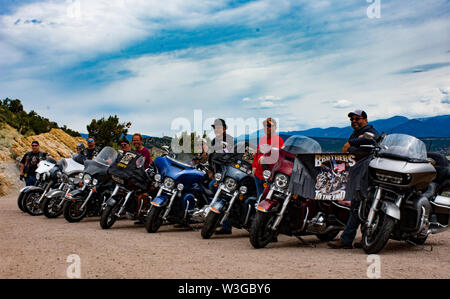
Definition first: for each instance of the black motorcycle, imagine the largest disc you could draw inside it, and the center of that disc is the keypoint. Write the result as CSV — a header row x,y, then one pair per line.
x,y
134,188
235,198
88,200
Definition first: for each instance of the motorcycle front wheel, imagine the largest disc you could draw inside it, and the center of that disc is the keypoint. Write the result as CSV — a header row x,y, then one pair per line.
x,y
375,241
72,211
211,223
20,200
261,232
108,217
50,207
154,219
31,204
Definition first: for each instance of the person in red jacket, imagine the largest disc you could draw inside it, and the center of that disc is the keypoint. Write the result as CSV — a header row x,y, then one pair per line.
x,y
275,141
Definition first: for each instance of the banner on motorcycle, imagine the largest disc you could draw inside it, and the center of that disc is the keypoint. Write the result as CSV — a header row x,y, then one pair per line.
x,y
327,175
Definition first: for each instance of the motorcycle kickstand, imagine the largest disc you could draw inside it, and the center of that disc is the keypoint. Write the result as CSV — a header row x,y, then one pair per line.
x,y
305,242
419,246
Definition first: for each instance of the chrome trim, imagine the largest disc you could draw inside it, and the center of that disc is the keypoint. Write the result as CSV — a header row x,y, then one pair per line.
x,y
230,205
281,213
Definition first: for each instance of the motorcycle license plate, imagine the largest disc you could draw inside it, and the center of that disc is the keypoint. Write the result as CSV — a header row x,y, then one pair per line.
x,y
118,180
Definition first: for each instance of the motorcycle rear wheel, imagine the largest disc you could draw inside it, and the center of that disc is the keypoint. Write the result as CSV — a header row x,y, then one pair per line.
x,y
211,223
377,240
261,232
50,207
72,212
30,204
154,219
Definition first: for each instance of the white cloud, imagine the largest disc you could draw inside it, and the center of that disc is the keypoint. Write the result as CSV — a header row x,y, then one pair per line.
x,y
342,104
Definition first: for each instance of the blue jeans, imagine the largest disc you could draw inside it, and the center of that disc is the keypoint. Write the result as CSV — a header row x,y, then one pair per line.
x,y
30,180
349,234
259,187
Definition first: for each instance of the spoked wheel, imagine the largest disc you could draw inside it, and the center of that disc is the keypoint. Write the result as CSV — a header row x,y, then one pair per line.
x,y
73,212
261,232
31,203
51,207
375,238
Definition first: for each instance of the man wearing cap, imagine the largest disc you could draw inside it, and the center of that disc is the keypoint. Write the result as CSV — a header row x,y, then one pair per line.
x,y
272,139
80,148
358,119
29,162
125,145
357,177
222,144
91,151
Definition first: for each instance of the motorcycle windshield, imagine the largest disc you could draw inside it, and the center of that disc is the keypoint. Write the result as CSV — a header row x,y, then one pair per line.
x,y
301,145
404,147
107,156
186,159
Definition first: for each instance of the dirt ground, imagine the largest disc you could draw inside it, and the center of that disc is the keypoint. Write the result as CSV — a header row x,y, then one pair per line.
x,y
37,247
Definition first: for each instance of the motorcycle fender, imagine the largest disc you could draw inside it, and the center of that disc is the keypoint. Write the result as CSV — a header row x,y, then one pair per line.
x,y
218,206
111,202
55,194
73,195
160,201
266,205
390,209
32,189
25,189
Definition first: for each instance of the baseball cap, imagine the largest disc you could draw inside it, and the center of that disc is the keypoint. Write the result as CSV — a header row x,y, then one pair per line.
x,y
358,112
269,122
81,145
219,122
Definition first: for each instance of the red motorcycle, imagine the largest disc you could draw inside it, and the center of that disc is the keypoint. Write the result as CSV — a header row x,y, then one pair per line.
x,y
280,212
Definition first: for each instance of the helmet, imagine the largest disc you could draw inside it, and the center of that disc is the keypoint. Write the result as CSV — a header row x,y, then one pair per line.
x,y
80,146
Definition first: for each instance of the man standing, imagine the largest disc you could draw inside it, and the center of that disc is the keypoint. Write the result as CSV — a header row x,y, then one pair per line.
x,y
359,124
222,144
272,139
91,151
29,162
141,150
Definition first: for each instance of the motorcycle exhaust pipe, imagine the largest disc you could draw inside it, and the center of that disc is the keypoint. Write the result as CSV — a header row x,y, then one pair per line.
x,y
436,228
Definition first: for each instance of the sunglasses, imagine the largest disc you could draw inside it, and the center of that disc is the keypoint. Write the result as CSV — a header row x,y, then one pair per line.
x,y
123,144
355,118
90,140
34,145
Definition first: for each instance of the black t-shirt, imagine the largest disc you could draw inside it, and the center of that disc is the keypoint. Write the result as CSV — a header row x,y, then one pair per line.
x,y
31,160
91,153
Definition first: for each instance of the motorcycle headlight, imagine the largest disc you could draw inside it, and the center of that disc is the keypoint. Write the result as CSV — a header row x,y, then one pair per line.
x,y
230,183
180,187
266,174
218,177
86,179
281,181
38,176
80,176
169,183
243,189
157,177
95,182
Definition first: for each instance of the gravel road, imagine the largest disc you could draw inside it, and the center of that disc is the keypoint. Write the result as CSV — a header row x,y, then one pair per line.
x,y
37,247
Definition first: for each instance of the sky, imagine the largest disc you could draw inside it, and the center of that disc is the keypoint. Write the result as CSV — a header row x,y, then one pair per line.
x,y
305,63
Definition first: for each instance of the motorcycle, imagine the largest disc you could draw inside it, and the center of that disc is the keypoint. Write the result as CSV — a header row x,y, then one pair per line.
x,y
96,187
281,212
31,197
405,201
183,193
134,188
68,179
235,197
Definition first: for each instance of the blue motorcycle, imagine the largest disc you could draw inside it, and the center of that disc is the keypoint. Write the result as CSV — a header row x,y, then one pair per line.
x,y
183,194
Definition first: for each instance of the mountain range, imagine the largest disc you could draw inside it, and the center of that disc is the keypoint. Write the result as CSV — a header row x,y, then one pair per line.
x,y
437,126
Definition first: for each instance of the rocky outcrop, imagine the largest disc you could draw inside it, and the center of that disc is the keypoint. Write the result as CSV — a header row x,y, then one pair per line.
x,y
13,146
